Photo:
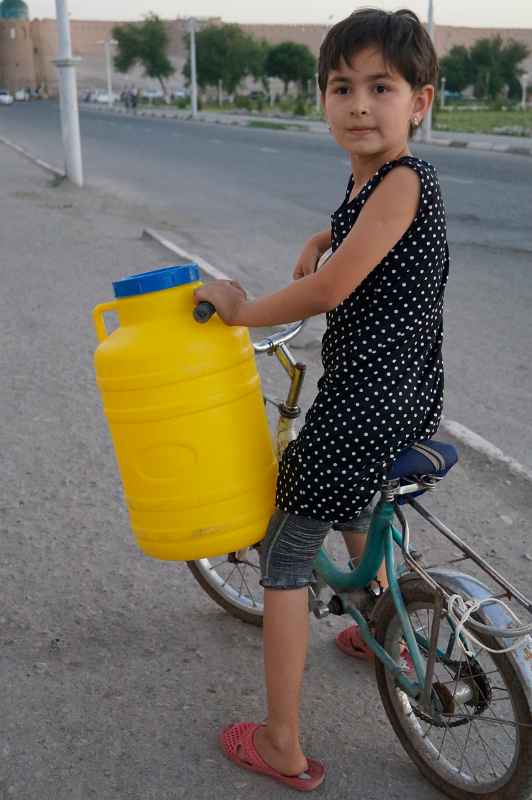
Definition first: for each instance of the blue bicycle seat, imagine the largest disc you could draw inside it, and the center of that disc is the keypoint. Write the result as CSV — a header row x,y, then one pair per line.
x,y
426,457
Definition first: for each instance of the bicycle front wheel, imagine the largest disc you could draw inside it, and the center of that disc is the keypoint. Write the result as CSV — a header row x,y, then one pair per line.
x,y
232,581
476,740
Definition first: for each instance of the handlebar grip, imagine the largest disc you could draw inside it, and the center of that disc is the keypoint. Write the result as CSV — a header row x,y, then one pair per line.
x,y
203,311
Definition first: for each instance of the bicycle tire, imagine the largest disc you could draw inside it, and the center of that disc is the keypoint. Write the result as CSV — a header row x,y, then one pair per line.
x,y
236,610
518,784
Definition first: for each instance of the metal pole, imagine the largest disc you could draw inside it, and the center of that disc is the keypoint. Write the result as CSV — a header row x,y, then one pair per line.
x,y
68,97
107,45
318,94
442,90
427,122
193,70
524,87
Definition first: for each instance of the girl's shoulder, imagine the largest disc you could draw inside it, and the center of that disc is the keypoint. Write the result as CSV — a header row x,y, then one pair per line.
x,y
428,176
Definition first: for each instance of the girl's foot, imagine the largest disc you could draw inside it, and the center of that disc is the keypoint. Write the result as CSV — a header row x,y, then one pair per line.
x,y
238,742
352,644
276,756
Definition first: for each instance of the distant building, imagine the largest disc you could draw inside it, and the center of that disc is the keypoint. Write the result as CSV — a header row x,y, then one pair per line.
x,y
27,49
14,9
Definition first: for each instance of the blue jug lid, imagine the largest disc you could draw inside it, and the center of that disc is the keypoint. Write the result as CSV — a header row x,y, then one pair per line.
x,y
157,279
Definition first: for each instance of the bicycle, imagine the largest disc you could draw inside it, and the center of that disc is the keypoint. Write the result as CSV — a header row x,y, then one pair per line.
x,y
463,712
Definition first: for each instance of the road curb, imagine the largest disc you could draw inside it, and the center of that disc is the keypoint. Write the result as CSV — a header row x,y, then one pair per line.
x,y
305,127
57,173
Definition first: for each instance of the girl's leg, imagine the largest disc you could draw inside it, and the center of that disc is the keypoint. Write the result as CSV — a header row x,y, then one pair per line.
x,y
355,542
285,648
287,554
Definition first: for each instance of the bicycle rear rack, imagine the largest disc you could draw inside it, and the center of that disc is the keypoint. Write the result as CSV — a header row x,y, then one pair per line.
x,y
413,562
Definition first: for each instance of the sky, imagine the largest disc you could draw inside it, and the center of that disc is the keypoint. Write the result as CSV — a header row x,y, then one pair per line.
x,y
474,13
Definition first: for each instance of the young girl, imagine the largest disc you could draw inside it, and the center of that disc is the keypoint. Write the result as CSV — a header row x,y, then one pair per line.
x,y
382,385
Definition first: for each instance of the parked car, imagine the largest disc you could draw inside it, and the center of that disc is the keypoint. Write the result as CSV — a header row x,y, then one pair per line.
x,y
5,98
152,94
23,95
103,97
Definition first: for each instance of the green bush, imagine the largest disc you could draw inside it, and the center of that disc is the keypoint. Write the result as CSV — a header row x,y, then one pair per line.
x,y
242,101
300,107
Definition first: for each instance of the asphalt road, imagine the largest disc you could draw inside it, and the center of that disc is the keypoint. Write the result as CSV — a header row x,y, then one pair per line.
x,y
247,199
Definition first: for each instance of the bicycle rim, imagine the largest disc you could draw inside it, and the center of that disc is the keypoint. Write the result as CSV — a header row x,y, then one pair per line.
x,y
480,745
232,580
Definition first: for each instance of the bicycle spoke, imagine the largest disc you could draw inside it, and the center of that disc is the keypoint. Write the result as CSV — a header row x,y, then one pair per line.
x,y
484,743
250,593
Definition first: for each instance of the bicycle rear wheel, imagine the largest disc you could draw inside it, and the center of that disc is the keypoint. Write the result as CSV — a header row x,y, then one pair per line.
x,y
479,745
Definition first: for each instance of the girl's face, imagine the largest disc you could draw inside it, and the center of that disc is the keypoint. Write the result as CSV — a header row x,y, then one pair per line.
x,y
370,106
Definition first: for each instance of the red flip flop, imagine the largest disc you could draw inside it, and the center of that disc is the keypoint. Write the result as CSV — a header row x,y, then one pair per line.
x,y
237,744
352,644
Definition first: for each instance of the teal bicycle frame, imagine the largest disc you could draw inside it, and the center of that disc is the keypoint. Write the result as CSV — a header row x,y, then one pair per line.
x,y
380,543
383,536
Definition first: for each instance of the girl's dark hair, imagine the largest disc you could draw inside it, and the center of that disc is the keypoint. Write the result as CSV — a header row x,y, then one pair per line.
x,y
399,35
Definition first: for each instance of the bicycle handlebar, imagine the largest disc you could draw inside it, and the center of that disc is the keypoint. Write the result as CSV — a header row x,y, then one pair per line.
x,y
204,311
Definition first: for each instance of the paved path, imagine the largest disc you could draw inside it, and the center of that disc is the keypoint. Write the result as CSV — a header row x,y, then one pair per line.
x,y
117,671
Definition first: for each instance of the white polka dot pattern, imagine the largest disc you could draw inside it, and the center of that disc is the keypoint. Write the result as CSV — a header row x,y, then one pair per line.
x,y
382,386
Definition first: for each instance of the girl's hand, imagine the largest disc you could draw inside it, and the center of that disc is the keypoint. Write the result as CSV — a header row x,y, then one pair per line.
x,y
226,297
308,260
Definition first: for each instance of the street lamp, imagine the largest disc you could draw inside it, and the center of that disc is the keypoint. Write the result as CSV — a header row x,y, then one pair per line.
x,y
191,27
427,122
108,43
68,97
524,88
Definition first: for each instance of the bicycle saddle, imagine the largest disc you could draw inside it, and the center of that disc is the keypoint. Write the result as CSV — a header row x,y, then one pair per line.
x,y
426,457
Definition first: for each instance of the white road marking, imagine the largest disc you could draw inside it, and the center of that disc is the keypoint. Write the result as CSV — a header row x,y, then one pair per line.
x,y
268,150
456,429
452,179
216,141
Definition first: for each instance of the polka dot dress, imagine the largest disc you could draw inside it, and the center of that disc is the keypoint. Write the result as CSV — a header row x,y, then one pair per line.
x,y
382,386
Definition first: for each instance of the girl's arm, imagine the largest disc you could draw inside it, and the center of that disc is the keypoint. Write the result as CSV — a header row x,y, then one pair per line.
x,y
313,250
386,216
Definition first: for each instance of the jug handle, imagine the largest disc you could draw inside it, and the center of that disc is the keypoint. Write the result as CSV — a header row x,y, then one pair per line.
x,y
98,318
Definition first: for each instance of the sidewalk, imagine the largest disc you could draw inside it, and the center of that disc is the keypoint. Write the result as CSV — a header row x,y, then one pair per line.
x,y
117,669
514,145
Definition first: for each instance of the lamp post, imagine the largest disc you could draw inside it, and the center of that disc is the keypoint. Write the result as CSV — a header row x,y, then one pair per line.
x,y
108,43
427,122
68,97
191,28
524,88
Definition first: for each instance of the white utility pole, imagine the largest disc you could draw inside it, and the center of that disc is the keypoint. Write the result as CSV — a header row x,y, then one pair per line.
x,y
68,96
442,91
191,27
427,122
108,43
524,89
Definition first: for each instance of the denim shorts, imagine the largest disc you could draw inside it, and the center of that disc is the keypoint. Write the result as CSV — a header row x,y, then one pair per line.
x,y
291,544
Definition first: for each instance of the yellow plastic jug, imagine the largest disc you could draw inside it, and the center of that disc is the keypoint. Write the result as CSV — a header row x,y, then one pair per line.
x,y
186,414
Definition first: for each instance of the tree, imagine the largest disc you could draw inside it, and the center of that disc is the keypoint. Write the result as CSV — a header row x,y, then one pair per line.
x,y
496,65
226,53
457,69
144,43
513,53
290,61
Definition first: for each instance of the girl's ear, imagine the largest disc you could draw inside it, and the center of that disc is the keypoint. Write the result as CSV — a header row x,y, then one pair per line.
x,y
423,100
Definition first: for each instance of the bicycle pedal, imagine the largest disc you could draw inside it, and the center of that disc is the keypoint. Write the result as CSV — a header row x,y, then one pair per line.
x,y
320,609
